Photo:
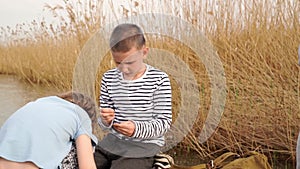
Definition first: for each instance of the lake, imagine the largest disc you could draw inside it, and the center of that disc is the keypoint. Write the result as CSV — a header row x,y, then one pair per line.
x,y
14,93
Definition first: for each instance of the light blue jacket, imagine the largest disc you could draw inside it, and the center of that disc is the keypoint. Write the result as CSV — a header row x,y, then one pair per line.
x,y
41,131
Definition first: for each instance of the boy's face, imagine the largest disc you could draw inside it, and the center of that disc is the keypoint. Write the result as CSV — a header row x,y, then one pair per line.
x,y
131,63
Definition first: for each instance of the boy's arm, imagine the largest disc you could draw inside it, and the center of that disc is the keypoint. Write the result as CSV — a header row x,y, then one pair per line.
x,y
105,103
162,111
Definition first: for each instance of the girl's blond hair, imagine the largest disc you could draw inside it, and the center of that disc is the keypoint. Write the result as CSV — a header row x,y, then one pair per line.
x,y
85,102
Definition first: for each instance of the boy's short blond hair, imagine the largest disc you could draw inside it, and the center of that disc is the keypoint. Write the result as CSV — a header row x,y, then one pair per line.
x,y
126,36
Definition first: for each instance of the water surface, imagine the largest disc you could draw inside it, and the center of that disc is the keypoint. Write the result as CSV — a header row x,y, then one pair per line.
x,y
14,93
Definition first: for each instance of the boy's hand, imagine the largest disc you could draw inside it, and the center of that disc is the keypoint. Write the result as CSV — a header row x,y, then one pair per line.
x,y
107,115
126,128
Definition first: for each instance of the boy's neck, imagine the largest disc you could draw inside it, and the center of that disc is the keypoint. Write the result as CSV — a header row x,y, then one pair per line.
x,y
137,75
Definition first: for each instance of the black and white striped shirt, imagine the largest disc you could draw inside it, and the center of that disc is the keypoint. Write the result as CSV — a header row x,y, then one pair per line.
x,y
147,101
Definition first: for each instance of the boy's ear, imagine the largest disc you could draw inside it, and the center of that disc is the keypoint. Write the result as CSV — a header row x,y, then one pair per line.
x,y
145,51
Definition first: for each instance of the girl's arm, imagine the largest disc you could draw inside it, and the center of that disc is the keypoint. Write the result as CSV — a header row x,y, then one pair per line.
x,y
85,152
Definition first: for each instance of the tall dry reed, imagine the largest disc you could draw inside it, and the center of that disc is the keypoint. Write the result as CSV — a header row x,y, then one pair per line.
x,y
256,40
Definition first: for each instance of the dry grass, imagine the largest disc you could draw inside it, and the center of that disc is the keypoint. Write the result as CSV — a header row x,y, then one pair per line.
x,y
256,40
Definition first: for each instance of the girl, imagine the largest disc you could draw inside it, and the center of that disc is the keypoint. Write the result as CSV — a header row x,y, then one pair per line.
x,y
41,133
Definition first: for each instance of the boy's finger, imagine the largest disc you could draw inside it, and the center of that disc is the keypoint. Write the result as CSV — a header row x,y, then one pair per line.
x,y
107,110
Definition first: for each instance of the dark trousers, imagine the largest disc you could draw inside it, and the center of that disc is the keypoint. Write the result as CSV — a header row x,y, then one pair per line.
x,y
107,160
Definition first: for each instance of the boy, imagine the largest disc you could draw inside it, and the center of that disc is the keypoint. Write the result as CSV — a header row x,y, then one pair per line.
x,y
135,104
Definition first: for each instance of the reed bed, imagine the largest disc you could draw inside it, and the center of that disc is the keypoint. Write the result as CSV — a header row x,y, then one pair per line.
x,y
256,41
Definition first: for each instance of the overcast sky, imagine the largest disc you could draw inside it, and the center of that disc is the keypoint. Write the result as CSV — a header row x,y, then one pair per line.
x,y
13,12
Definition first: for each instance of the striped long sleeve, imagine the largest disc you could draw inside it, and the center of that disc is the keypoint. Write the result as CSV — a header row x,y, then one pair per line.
x,y
146,101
